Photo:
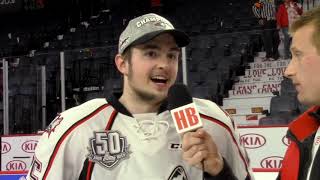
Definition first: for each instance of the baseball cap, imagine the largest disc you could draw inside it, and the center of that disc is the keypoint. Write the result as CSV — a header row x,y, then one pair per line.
x,y
144,28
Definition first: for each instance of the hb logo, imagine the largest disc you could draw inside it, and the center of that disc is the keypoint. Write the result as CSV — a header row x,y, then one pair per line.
x,y
186,118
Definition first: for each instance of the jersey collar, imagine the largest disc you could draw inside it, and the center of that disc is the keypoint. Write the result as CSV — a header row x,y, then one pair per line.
x,y
113,99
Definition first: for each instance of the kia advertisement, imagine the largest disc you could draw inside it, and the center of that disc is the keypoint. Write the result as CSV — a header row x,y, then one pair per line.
x,y
265,146
17,152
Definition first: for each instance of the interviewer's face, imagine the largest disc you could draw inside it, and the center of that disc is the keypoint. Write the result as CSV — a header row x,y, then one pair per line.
x,y
153,68
304,68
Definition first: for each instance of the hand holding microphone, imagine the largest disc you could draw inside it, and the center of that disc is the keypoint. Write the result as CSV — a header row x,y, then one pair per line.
x,y
198,148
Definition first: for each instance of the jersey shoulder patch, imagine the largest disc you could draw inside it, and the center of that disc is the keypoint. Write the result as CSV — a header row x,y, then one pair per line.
x,y
71,116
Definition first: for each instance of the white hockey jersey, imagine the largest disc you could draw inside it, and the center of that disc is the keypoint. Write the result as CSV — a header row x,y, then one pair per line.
x,y
100,139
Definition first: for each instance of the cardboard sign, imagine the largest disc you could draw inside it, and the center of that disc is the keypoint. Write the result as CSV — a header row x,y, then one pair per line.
x,y
263,78
261,88
269,72
269,64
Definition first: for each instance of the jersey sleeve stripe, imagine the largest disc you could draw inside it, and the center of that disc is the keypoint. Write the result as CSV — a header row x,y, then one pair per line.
x,y
65,135
90,169
231,134
111,120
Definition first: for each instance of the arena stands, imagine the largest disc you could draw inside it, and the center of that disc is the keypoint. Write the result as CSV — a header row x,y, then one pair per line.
x,y
225,62
224,58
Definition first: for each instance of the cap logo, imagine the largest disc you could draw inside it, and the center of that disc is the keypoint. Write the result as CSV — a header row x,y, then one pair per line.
x,y
160,24
152,19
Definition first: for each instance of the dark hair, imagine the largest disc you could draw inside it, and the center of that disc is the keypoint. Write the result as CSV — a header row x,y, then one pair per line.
x,y
127,53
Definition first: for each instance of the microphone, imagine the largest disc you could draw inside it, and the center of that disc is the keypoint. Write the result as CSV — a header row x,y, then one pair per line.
x,y
183,111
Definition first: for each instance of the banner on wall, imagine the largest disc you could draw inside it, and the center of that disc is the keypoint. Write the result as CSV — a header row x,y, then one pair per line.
x,y
265,146
17,152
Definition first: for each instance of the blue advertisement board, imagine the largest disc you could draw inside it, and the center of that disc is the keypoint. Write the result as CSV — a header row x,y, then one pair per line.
x,y
13,176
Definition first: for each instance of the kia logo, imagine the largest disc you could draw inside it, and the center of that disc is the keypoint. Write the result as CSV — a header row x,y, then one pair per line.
x,y
5,147
16,165
271,162
29,146
286,141
252,141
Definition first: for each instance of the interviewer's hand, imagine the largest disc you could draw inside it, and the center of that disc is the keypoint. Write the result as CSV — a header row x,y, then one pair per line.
x,y
199,150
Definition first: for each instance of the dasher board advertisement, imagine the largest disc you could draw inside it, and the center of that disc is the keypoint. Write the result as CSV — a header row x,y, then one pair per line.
x,y
17,152
13,175
265,146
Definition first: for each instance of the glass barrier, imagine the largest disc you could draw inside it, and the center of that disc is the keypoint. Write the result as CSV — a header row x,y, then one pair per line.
x,y
36,84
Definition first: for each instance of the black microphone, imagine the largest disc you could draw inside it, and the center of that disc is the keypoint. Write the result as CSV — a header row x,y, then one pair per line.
x,y
183,111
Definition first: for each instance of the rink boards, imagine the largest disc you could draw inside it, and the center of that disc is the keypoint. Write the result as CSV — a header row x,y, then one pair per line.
x,y
263,144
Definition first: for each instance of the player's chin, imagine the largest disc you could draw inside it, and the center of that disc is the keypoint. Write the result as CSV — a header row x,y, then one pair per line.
x,y
160,95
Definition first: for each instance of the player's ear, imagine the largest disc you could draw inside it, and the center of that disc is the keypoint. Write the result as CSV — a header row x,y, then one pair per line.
x,y
121,63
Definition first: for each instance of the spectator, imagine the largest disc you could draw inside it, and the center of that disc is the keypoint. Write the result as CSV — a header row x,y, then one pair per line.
x,y
265,11
288,12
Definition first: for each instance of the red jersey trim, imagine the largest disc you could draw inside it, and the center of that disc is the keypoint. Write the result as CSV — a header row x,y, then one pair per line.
x,y
230,132
108,127
89,170
66,134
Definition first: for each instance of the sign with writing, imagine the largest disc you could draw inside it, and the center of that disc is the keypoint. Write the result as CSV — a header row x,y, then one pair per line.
x,y
269,64
244,89
17,152
264,145
260,72
263,78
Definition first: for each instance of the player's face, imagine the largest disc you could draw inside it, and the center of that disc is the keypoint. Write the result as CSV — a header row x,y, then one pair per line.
x,y
153,68
304,68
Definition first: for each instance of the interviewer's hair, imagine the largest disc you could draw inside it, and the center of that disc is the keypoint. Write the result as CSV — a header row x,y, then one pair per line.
x,y
311,17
